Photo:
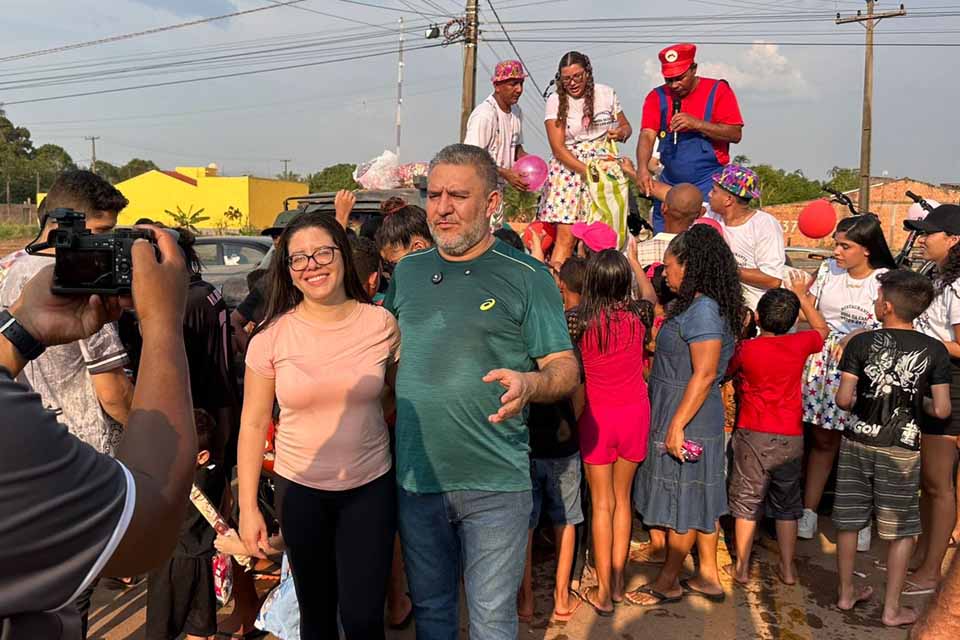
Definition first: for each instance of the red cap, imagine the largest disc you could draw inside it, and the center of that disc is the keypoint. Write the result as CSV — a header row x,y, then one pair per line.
x,y
676,59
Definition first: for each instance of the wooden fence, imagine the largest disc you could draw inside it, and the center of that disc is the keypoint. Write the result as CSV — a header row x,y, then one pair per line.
x,y
18,213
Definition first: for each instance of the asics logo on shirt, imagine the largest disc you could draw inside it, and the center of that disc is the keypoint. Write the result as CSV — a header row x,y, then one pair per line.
x,y
487,304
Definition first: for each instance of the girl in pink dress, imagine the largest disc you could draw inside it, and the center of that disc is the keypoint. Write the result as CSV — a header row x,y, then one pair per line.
x,y
612,331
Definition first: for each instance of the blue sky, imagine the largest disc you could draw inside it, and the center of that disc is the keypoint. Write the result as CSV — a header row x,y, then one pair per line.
x,y
801,103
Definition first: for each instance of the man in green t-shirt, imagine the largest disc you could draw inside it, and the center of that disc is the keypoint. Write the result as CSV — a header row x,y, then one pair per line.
x,y
482,335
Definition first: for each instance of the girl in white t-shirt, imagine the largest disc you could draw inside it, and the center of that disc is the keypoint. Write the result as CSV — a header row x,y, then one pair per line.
x,y
583,121
938,445
845,288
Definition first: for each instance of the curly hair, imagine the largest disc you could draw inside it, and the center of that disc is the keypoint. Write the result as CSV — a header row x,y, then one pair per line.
x,y
607,285
569,59
710,270
950,271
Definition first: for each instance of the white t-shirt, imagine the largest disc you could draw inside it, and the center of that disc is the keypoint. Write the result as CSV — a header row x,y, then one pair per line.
x,y
944,312
606,108
756,244
845,302
495,130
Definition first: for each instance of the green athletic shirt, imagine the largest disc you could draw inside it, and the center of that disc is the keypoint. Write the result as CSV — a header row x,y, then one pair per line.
x,y
458,321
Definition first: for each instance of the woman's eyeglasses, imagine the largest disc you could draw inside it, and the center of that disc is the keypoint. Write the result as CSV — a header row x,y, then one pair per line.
x,y
321,257
571,79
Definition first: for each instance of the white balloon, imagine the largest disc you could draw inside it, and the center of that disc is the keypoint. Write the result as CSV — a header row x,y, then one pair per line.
x,y
916,212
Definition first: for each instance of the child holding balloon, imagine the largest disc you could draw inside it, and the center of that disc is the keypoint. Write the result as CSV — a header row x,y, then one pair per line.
x,y
844,288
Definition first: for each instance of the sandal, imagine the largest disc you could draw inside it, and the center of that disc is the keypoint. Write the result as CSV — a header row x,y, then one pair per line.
x,y
659,598
564,616
689,590
585,596
913,589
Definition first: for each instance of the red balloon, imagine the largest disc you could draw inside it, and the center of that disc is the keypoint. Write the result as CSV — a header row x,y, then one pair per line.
x,y
545,230
817,220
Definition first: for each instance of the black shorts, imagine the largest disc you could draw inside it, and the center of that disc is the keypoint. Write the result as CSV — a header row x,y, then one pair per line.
x,y
180,599
949,426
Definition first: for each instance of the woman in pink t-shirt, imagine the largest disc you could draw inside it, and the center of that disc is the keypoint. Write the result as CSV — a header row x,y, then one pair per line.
x,y
328,356
612,332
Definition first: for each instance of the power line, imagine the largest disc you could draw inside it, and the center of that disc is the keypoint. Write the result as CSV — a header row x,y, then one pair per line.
x,y
513,46
216,77
620,40
379,6
333,15
295,51
136,34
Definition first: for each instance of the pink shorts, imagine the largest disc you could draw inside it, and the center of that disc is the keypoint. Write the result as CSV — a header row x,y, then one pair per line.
x,y
611,432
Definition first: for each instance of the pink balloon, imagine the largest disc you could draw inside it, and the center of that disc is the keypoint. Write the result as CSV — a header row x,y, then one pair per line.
x,y
817,220
533,170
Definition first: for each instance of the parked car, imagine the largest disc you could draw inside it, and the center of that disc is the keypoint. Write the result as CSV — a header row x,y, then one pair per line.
x,y
806,258
226,261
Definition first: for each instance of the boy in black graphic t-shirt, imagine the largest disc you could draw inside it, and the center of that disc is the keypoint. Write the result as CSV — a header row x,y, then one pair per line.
x,y
890,377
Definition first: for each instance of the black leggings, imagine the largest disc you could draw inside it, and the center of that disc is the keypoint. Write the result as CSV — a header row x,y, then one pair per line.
x,y
340,545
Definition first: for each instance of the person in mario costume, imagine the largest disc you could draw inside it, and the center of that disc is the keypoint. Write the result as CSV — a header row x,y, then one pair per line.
x,y
694,119
495,125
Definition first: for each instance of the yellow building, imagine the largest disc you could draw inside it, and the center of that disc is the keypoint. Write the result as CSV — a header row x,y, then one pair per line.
x,y
153,193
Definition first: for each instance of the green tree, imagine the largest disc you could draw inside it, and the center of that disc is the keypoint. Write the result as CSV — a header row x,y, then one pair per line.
x,y
14,140
333,178
107,171
841,179
135,167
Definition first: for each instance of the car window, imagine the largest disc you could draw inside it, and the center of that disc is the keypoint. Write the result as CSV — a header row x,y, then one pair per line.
x,y
237,254
207,254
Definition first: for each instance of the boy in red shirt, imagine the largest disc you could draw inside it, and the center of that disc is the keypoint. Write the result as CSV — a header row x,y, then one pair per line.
x,y
768,441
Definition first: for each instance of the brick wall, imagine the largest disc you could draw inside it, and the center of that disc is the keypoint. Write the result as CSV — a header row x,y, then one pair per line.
x,y
887,201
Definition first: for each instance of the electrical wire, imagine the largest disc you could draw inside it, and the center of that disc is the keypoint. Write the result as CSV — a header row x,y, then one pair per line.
x,y
334,15
146,32
217,77
514,47
379,6
619,40
259,56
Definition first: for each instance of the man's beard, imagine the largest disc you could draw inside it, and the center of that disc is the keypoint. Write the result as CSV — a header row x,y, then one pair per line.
x,y
467,240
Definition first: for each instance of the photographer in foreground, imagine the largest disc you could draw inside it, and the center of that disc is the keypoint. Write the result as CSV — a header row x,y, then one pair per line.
x,y
70,513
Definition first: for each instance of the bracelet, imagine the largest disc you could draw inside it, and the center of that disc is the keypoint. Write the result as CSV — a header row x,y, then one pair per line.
x,y
28,346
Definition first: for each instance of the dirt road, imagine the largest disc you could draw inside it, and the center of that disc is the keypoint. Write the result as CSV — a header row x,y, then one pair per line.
x,y
766,610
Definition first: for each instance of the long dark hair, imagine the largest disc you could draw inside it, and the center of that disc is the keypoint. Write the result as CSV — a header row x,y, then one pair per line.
x,y
950,271
866,231
569,59
606,291
282,294
710,270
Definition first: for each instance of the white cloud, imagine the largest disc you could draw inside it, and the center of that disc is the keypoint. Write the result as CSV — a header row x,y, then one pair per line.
x,y
761,69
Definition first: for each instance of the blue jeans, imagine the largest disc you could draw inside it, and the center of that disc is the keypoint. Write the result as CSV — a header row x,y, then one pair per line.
x,y
481,533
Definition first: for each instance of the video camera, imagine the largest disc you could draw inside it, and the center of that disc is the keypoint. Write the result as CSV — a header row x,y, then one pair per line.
x,y
88,263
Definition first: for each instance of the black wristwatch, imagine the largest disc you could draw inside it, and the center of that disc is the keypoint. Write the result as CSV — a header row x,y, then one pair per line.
x,y
28,346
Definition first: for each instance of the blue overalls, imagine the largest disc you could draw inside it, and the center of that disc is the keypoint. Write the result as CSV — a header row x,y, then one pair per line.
x,y
692,159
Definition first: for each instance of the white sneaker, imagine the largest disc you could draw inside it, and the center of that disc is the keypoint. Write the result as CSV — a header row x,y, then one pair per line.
x,y
863,539
807,526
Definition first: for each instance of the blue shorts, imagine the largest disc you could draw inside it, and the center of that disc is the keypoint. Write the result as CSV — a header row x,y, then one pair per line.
x,y
556,490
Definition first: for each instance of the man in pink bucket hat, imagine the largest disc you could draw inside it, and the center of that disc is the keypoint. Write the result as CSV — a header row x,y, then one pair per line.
x,y
754,236
495,125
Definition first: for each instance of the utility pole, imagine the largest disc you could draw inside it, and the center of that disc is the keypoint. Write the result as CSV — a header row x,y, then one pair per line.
x,y
869,21
286,174
399,86
470,37
93,153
